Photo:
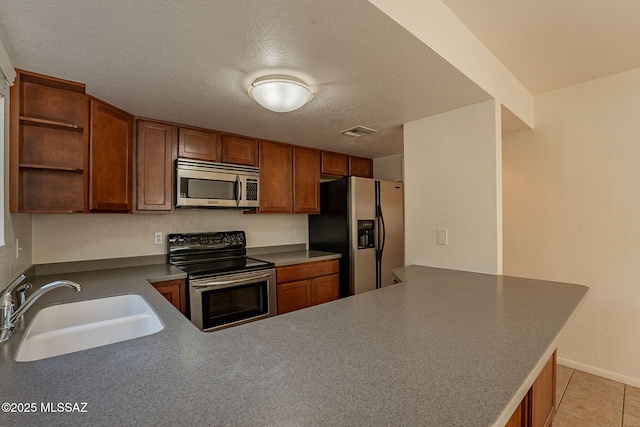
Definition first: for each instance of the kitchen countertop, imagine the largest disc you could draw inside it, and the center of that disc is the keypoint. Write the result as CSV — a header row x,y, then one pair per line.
x,y
442,348
281,259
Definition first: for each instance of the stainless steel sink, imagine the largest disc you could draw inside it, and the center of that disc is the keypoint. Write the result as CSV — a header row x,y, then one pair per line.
x,y
66,328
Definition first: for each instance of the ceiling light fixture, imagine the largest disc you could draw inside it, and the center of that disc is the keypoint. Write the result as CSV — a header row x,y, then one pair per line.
x,y
280,93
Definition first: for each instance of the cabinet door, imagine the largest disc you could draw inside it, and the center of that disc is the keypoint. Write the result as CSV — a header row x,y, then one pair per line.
x,y
335,164
519,417
325,289
154,160
239,150
110,158
360,166
306,180
175,292
198,144
293,296
542,403
276,175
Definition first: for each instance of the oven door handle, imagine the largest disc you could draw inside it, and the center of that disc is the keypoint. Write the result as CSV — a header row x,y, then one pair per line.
x,y
237,281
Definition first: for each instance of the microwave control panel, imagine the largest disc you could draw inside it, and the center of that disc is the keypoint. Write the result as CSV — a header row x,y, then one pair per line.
x,y
252,189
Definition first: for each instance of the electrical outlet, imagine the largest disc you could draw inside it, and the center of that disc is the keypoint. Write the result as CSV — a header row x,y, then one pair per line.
x,y
158,239
297,231
443,236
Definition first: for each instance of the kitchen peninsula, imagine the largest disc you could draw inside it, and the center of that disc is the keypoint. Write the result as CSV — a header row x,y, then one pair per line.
x,y
441,348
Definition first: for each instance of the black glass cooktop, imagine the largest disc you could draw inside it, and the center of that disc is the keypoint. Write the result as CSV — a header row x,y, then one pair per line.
x,y
207,254
224,266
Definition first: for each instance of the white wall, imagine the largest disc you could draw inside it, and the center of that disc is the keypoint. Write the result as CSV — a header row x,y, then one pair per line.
x,y
77,237
437,27
15,225
453,177
572,213
389,168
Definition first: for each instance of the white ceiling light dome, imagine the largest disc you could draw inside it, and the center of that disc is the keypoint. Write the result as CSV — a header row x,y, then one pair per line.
x,y
280,93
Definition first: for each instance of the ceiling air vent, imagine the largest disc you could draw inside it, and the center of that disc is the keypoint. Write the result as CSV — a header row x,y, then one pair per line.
x,y
358,131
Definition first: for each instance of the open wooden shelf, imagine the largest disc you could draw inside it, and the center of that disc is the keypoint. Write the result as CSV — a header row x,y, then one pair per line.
x,y
48,164
51,168
34,121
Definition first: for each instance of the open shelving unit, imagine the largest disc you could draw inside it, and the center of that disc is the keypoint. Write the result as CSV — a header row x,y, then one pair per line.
x,y
49,135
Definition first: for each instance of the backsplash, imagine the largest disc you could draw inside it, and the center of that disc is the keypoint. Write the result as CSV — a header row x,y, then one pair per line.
x,y
79,237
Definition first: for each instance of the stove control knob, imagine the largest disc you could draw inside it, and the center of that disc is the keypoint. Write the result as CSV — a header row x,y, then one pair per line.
x,y
240,237
226,238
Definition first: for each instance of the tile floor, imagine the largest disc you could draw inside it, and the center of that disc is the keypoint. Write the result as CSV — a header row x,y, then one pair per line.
x,y
586,400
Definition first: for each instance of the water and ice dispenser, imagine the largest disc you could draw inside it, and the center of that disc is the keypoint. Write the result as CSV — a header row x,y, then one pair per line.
x,y
365,233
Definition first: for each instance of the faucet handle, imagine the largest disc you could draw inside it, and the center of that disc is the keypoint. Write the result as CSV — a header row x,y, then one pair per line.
x,y
20,293
7,299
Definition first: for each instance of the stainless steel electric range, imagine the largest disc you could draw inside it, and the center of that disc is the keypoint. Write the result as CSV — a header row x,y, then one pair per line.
x,y
225,287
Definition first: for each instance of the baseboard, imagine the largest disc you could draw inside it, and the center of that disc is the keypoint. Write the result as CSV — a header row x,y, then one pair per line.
x,y
600,372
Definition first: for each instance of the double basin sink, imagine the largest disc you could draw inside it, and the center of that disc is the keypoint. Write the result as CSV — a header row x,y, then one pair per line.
x,y
71,327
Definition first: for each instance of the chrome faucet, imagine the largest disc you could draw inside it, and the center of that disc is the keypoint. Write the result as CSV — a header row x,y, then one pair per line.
x,y
11,311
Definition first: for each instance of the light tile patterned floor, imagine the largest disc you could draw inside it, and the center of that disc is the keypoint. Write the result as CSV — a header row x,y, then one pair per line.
x,y
586,400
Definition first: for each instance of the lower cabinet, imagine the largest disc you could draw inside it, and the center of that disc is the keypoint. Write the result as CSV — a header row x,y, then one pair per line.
x,y
538,407
303,285
175,291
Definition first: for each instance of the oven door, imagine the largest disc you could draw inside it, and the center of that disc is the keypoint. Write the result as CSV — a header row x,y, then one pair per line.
x,y
223,301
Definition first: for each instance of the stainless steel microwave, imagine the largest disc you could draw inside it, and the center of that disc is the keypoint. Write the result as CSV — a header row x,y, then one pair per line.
x,y
216,185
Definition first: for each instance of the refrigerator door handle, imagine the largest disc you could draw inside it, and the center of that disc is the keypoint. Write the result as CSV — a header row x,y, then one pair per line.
x,y
380,237
383,232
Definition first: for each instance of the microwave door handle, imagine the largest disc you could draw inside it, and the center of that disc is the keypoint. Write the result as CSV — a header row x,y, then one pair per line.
x,y
229,282
238,190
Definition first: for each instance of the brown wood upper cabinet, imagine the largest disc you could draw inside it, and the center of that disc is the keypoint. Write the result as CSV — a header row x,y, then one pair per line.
x,y
198,144
306,180
110,158
360,166
70,152
289,178
239,150
335,164
276,177
48,145
156,150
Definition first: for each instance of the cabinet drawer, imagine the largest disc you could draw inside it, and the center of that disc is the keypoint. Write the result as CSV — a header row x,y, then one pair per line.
x,y
309,270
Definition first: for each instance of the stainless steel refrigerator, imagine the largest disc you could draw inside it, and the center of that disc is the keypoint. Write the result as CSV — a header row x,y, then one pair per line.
x,y
363,220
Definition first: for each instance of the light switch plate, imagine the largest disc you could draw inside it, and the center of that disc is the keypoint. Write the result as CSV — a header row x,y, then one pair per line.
x,y
443,236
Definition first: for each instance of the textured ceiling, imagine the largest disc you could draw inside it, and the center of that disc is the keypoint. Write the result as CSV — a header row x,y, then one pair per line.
x,y
551,44
191,62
